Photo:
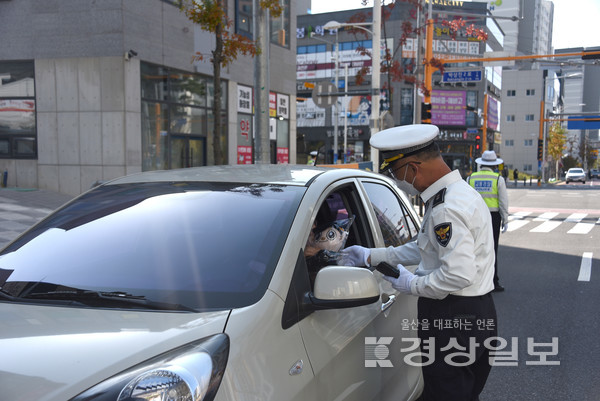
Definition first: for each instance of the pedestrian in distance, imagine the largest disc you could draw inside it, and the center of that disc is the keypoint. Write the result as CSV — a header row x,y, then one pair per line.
x,y
492,188
516,176
504,172
312,158
455,257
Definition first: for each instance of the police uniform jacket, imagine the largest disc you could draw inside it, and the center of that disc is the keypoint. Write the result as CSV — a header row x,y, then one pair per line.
x,y
455,248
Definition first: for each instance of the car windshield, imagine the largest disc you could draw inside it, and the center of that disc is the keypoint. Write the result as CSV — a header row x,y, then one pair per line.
x,y
203,246
576,171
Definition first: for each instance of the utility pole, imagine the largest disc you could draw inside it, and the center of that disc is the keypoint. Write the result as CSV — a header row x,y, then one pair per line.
x,y
375,79
262,148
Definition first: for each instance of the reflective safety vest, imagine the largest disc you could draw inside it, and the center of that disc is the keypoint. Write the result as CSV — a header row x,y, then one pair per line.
x,y
486,183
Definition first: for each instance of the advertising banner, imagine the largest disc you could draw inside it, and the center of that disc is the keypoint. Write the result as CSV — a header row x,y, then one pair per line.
x,y
448,107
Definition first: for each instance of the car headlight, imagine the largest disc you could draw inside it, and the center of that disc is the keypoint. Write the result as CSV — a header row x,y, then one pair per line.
x,y
189,373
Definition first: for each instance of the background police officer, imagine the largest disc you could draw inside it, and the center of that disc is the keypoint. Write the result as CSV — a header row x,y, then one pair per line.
x,y
492,187
455,256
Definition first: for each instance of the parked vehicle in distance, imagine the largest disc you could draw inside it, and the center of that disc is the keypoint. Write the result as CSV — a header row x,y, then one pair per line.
x,y
575,174
594,173
196,284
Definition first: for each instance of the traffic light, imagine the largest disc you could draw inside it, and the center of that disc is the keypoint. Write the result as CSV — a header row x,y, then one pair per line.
x,y
426,113
540,150
478,143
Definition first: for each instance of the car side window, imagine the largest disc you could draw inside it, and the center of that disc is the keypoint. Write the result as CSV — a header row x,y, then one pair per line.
x,y
396,223
340,222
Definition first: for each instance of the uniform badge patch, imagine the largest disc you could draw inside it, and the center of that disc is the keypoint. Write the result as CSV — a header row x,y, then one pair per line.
x,y
443,233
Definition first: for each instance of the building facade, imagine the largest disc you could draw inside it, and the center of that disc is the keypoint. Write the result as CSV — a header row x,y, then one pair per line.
x,y
91,91
522,109
458,95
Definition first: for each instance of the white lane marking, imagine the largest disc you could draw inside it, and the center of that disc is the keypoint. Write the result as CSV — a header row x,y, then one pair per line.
x,y
516,224
546,227
575,218
546,216
585,270
581,228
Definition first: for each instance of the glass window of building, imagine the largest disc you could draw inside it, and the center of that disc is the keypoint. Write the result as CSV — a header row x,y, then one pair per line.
x,y
471,114
18,128
177,118
406,106
279,26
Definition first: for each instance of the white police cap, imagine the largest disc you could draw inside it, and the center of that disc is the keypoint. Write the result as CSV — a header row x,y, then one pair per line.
x,y
398,142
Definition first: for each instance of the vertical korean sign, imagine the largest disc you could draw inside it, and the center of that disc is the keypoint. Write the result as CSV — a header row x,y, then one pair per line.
x,y
244,130
282,127
492,113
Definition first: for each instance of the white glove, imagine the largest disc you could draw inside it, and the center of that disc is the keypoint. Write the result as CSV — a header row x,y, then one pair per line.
x,y
402,283
354,255
504,228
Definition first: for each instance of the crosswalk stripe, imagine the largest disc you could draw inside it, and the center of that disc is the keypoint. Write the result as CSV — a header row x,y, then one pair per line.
x,y
581,228
518,215
546,216
518,220
585,269
516,224
575,218
546,227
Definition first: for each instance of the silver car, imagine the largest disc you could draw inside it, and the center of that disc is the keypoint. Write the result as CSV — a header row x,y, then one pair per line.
x,y
575,174
196,284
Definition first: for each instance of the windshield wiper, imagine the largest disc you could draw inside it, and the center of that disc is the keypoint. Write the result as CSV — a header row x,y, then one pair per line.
x,y
106,299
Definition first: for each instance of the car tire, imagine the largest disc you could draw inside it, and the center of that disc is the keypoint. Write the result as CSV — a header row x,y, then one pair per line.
x,y
567,182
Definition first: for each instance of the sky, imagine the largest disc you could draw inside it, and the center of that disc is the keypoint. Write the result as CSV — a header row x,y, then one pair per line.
x,y
575,21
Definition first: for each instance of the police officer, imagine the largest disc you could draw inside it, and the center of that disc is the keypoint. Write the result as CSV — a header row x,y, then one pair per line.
x,y
492,187
455,256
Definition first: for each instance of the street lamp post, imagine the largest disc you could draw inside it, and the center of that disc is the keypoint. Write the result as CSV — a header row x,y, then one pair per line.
x,y
375,70
334,106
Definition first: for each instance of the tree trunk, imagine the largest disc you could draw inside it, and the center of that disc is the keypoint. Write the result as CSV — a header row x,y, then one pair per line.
x,y
217,58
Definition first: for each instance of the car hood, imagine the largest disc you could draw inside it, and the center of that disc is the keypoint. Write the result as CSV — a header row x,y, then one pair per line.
x,y
55,353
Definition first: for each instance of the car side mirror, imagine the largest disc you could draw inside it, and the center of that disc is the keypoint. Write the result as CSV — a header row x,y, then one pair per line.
x,y
343,287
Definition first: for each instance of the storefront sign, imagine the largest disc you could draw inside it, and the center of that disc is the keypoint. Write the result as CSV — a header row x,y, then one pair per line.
x,y
244,99
272,104
492,113
244,155
283,108
283,155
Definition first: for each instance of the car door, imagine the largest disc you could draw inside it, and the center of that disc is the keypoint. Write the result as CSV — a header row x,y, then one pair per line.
x,y
396,224
339,342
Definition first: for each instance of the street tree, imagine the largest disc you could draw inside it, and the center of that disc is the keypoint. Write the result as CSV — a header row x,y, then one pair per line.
x,y
211,16
557,140
394,65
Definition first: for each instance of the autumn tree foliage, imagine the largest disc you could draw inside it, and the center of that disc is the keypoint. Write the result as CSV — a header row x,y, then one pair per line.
x,y
211,16
391,61
557,140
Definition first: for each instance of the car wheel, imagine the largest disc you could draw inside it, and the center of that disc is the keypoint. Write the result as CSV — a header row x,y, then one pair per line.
x,y
567,182
584,182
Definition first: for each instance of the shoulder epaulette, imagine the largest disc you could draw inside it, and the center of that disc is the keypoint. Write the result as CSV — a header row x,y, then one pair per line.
x,y
439,197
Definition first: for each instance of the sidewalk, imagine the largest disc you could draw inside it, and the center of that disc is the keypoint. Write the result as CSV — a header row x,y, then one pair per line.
x,y
22,208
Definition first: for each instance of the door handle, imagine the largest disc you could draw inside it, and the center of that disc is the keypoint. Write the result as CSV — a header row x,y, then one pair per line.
x,y
385,305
